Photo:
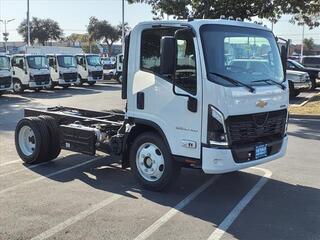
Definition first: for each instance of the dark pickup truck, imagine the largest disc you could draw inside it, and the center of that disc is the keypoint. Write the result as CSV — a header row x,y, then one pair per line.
x,y
314,73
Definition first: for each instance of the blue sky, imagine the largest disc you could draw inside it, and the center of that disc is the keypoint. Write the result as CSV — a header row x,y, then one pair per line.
x,y
73,16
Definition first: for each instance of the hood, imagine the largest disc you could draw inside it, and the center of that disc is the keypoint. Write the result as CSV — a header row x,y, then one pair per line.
x,y
239,101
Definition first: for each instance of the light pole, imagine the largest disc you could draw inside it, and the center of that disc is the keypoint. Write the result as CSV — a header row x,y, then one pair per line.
x,y
6,34
302,41
28,21
122,40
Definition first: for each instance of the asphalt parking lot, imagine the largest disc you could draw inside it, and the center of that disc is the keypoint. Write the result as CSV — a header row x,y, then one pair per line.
x,y
84,197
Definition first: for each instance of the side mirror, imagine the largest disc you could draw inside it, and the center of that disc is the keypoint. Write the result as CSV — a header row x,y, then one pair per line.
x,y
51,62
168,55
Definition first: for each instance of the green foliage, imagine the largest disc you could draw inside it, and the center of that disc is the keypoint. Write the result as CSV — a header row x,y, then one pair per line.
x,y
41,30
308,43
308,10
94,48
102,30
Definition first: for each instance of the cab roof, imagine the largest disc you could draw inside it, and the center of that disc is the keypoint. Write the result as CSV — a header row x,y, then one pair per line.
x,y
197,23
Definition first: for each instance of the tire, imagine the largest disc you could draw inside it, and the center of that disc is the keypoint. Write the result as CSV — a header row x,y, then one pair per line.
x,y
292,91
80,83
37,89
119,79
17,86
158,161
54,137
66,86
313,84
91,83
38,138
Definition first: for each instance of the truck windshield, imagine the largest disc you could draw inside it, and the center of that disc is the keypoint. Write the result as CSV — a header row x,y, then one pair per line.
x,y
93,60
67,61
247,55
37,62
4,63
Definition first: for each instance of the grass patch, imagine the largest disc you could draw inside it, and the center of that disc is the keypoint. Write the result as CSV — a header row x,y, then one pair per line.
x,y
311,108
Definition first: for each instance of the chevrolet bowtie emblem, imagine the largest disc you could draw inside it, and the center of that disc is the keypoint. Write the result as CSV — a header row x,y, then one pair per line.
x,y
261,104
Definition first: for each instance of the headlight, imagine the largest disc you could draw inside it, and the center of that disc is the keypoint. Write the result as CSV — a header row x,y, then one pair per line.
x,y
217,134
32,77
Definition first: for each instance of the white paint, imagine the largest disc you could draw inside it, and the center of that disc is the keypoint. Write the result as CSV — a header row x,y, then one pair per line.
x,y
48,175
30,167
165,218
226,223
304,119
50,232
9,163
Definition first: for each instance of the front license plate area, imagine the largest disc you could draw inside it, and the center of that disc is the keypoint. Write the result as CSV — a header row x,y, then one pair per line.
x,y
261,151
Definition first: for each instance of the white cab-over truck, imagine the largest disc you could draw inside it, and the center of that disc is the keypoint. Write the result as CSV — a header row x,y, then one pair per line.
x,y
89,68
5,74
63,70
30,72
191,102
109,67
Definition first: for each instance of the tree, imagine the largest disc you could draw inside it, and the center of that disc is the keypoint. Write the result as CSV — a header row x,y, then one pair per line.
x,y
308,43
41,30
102,30
244,9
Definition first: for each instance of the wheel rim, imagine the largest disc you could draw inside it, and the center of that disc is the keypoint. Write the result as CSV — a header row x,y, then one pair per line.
x,y
150,162
16,86
27,140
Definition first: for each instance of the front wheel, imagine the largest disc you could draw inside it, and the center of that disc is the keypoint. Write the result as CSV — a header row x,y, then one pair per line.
x,y
151,162
91,83
18,87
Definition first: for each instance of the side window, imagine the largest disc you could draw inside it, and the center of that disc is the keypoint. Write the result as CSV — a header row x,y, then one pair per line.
x,y
186,68
186,74
18,62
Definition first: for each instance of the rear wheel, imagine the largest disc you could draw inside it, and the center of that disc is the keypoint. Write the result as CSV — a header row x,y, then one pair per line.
x,y
54,137
313,84
151,162
91,83
292,92
31,140
17,86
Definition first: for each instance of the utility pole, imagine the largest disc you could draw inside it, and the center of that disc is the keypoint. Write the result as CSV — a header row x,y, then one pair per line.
x,y
6,34
122,40
302,40
28,22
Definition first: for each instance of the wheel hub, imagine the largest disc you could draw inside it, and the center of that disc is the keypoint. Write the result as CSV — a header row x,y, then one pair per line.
x,y
27,141
150,162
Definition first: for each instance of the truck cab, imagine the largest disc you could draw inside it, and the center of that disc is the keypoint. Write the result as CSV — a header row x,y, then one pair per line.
x,y
109,67
205,94
5,74
89,68
30,72
63,70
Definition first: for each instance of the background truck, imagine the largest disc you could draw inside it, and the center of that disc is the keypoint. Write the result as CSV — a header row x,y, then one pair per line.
x,y
30,72
5,74
63,70
187,105
109,67
89,68
119,66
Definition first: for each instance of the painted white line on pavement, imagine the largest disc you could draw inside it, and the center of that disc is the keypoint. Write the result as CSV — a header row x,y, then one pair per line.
x,y
49,175
50,232
304,119
226,223
32,166
11,162
165,218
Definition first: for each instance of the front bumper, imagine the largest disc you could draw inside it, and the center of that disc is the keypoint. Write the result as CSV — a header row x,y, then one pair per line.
x,y
39,85
216,161
302,86
92,79
68,82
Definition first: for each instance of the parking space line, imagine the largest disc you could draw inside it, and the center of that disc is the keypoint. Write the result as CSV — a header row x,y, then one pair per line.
x,y
226,223
49,175
165,218
11,162
31,167
50,232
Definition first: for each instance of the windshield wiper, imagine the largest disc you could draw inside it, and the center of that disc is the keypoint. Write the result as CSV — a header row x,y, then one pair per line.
x,y
235,82
283,87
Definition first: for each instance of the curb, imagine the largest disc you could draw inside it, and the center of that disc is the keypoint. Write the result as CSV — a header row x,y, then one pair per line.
x,y
301,116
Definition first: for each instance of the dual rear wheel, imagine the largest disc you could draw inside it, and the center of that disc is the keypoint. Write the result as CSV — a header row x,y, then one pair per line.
x,y
37,139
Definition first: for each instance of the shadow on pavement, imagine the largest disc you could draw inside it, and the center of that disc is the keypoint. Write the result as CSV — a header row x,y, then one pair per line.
x,y
279,211
306,129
